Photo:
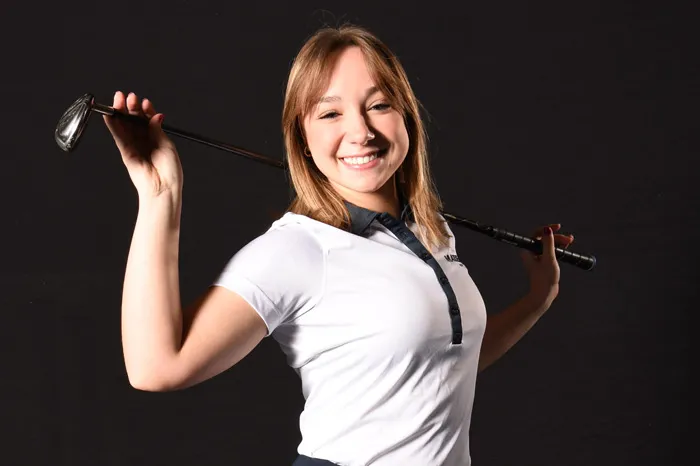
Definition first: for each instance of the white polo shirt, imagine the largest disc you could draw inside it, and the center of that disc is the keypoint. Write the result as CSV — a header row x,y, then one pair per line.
x,y
384,336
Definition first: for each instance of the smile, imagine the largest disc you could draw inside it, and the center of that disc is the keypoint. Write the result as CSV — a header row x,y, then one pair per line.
x,y
367,161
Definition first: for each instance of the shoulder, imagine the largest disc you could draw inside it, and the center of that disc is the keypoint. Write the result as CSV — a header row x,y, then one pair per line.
x,y
288,239
287,258
294,228
280,271
309,231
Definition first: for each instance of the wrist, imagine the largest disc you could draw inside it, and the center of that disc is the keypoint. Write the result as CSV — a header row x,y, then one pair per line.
x,y
160,199
164,206
543,296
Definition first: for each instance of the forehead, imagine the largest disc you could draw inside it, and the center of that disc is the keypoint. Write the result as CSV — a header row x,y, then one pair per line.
x,y
350,72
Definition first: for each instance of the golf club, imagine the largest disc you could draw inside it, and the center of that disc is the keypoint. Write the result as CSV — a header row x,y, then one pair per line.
x,y
74,120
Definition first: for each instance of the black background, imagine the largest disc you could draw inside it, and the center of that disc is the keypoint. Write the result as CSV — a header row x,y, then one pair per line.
x,y
571,112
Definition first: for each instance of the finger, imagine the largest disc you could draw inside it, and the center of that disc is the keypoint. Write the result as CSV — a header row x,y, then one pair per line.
x,y
563,239
571,240
148,109
119,104
540,231
548,244
133,105
156,130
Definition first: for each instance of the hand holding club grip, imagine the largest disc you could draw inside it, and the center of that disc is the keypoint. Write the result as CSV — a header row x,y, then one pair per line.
x,y
585,262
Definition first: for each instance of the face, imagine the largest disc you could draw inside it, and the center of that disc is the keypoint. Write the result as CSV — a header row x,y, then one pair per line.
x,y
356,139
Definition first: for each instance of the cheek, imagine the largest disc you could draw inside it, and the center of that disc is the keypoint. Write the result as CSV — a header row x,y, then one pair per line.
x,y
401,139
322,141
395,126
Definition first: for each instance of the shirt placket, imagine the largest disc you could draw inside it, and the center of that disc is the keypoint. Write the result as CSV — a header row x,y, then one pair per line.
x,y
406,236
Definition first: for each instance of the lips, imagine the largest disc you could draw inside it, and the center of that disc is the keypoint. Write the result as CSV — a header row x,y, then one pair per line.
x,y
365,156
365,162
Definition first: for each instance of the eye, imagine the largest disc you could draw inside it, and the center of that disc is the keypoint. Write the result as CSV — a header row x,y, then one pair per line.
x,y
382,106
328,115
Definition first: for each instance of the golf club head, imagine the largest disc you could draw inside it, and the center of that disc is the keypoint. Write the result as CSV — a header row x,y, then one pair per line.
x,y
73,122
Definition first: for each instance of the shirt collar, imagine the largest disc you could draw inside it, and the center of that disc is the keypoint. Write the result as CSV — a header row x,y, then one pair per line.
x,y
361,218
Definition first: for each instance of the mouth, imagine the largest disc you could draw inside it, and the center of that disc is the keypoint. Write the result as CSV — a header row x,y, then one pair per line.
x,y
365,161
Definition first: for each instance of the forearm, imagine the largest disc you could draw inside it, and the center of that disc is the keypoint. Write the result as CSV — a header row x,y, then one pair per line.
x,y
505,329
151,307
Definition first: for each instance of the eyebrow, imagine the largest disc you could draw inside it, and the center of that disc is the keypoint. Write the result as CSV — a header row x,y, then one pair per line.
x,y
335,98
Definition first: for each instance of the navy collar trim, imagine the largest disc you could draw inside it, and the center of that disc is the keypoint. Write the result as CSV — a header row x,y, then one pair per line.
x,y
361,218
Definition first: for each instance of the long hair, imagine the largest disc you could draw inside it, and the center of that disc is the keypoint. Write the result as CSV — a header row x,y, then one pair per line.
x,y
309,77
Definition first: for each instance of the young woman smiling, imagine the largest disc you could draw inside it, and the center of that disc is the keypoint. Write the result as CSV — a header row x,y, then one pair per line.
x,y
359,281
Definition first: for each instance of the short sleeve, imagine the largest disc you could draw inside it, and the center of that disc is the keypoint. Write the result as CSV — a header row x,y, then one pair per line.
x,y
279,273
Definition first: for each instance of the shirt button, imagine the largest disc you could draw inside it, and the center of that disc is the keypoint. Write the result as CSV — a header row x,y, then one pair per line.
x,y
444,280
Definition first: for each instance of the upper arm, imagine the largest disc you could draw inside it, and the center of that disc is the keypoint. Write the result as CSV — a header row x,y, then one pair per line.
x,y
261,287
219,329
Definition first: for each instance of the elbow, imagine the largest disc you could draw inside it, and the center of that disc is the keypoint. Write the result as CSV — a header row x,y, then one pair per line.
x,y
146,385
154,381
482,365
151,384
486,359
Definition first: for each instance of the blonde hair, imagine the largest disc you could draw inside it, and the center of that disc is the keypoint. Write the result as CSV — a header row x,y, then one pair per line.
x,y
308,79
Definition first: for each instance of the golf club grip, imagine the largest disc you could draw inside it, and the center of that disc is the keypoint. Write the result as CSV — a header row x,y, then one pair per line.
x,y
535,246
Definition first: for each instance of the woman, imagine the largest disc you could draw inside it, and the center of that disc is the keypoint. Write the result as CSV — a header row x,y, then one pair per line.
x,y
359,282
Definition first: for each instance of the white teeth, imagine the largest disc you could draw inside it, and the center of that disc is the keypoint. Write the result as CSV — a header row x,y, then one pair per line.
x,y
360,160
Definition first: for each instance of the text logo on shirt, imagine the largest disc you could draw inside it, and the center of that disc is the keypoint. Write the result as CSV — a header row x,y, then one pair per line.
x,y
453,258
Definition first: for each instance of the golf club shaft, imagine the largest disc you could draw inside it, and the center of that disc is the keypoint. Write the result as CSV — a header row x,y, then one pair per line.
x,y
106,110
585,262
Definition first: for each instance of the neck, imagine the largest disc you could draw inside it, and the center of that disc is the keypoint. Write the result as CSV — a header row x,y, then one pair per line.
x,y
385,199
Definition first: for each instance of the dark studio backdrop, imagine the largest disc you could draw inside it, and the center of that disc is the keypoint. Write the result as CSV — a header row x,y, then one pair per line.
x,y
577,113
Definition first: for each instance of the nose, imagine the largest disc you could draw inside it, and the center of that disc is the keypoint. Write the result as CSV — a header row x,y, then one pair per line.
x,y
358,131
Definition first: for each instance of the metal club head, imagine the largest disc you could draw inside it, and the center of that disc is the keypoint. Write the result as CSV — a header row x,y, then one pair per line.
x,y
73,122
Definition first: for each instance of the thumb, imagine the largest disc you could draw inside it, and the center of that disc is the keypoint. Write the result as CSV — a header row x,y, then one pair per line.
x,y
155,127
548,244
